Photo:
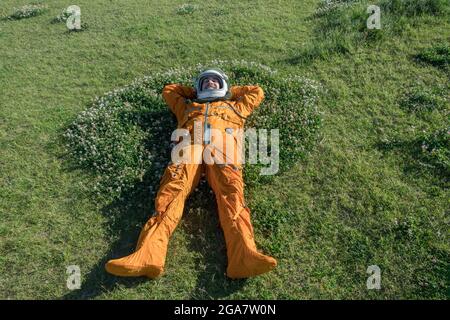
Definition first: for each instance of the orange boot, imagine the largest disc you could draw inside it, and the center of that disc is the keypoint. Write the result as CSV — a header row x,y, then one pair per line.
x,y
150,255
244,260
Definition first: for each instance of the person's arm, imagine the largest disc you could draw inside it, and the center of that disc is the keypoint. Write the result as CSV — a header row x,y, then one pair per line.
x,y
175,96
248,98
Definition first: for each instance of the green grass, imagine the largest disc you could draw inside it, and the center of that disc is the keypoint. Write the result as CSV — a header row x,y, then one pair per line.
x,y
354,201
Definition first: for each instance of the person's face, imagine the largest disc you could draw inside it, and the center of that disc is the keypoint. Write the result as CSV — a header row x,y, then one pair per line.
x,y
211,82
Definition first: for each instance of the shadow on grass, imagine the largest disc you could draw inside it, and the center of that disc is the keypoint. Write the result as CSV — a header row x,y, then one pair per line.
x,y
417,162
317,51
438,56
203,222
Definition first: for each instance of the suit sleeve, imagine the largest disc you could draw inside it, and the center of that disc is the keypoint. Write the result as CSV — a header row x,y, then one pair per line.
x,y
175,96
248,98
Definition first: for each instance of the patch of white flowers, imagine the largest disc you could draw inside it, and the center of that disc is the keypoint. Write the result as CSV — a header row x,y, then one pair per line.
x,y
186,8
124,137
27,11
327,6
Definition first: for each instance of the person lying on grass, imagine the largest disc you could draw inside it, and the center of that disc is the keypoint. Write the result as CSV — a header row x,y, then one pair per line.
x,y
210,106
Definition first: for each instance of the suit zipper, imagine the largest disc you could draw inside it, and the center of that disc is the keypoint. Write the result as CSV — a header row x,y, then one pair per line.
x,y
206,127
